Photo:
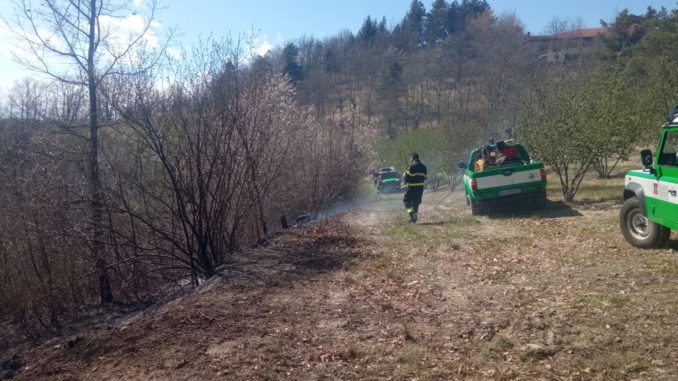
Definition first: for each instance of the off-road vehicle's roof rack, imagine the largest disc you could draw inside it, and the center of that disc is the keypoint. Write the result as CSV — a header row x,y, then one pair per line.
x,y
387,169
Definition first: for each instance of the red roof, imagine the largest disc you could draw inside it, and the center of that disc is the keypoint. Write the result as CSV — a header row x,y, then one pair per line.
x,y
582,33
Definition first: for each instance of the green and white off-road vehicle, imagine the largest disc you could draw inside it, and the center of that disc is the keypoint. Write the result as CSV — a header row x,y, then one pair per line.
x,y
503,180
650,207
387,180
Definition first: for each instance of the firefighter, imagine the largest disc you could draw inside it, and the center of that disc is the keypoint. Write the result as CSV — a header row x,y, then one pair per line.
x,y
415,179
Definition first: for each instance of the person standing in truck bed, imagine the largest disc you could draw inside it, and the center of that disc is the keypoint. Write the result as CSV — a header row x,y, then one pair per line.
x,y
414,179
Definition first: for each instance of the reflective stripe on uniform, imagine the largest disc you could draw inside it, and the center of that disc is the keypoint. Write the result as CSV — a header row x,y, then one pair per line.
x,y
415,174
416,184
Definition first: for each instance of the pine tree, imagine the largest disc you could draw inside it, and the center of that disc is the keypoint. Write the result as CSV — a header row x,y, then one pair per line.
x,y
382,26
411,29
435,22
291,66
369,30
391,89
458,14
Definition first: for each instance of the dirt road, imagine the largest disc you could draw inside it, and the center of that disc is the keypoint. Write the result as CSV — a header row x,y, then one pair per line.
x,y
556,295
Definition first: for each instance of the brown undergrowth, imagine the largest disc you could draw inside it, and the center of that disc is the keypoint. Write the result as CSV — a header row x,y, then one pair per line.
x,y
555,295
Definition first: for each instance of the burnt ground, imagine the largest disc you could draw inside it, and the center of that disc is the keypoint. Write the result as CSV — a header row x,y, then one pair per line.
x,y
553,295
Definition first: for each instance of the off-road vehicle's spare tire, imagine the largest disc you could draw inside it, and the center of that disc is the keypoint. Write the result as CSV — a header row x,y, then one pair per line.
x,y
638,230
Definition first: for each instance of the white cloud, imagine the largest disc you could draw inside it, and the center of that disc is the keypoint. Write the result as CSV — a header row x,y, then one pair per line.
x,y
258,45
6,41
125,30
175,53
119,33
263,48
10,70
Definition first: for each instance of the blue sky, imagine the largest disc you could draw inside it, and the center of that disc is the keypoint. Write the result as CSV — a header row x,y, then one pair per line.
x,y
291,19
278,21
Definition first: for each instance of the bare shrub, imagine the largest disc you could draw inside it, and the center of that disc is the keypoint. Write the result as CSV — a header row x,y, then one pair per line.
x,y
190,169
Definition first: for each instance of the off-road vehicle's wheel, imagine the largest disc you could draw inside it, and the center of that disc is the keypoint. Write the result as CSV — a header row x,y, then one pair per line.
x,y
539,201
477,207
638,230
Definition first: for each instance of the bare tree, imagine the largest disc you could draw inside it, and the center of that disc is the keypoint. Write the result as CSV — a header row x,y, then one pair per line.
x,y
78,42
42,262
557,26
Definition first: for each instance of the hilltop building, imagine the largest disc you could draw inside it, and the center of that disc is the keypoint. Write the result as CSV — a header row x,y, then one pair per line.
x,y
568,47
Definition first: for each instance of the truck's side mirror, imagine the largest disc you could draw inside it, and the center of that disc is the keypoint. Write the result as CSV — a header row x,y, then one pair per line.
x,y
646,158
462,165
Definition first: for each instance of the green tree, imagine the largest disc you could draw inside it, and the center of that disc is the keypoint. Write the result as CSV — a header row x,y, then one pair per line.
x,y
613,119
291,66
410,32
459,13
382,28
473,7
369,30
429,143
649,70
628,29
436,22
391,90
555,129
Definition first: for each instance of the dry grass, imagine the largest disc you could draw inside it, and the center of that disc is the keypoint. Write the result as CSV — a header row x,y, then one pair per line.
x,y
551,295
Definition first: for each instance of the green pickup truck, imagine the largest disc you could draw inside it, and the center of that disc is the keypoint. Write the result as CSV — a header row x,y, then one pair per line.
x,y
650,207
387,180
501,173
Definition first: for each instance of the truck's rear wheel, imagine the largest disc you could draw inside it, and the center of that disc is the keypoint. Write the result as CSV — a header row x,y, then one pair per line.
x,y
539,200
477,208
638,230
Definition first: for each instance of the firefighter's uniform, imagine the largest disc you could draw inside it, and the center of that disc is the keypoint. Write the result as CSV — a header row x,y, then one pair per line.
x,y
415,179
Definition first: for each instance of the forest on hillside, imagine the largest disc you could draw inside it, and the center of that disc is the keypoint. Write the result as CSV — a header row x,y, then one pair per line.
x,y
133,174
445,79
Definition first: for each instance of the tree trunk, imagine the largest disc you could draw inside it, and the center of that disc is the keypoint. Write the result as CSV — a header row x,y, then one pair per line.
x,y
96,203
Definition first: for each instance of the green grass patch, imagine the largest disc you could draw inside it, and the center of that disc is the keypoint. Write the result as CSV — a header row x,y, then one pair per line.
x,y
409,358
427,238
613,365
592,188
525,298
502,343
603,301
400,230
571,259
450,235
553,184
383,261
453,245
626,166
367,191
600,192
462,221
635,363
497,246
669,267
